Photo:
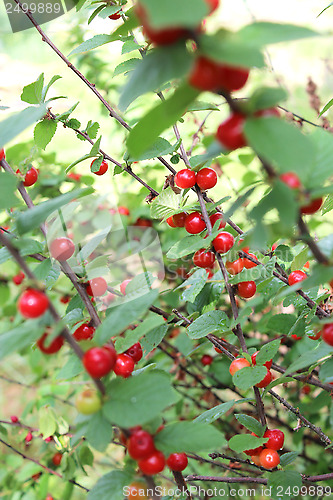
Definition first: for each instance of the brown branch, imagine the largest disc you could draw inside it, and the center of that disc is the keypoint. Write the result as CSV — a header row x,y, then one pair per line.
x,y
306,237
179,478
240,480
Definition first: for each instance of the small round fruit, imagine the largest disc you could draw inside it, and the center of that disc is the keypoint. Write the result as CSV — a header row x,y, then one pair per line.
x,y
312,207
291,180
177,461
88,402
203,258
154,464
194,223
116,15
238,364
275,439
205,74
97,287
327,333
28,437
256,460
2,154
124,365
248,263
142,222
206,360
123,211
268,364
52,348
123,286
84,332
254,451
166,36
234,267
102,169
140,445
56,459
233,78
185,178
246,289
296,277
217,216
206,178
14,419
223,242
18,278
170,221
269,458
230,132
99,361
30,177
62,249
136,491
266,380
179,219
317,335
32,303
135,352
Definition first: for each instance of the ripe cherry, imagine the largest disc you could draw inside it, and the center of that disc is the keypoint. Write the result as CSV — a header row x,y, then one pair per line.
x,y
56,459
248,263
62,248
246,289
234,267
316,336
179,219
99,361
254,451
203,258
206,178
223,242
18,278
233,78
217,216
165,36
142,222
116,15
136,491
102,169
14,419
2,154
124,365
28,437
268,364
123,286
206,360
312,207
32,303
269,458
295,337
74,177
327,333
291,180
135,352
194,223
256,460
123,211
88,402
84,332
30,177
266,380
97,287
51,348
275,439
154,464
230,132
238,364
185,178
210,75
177,461
140,445
296,277
65,299
170,221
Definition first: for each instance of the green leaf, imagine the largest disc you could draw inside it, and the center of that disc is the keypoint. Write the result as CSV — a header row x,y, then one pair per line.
x,y
281,323
161,147
288,458
266,97
249,376
284,253
70,369
309,357
32,93
160,118
8,186
215,413
126,66
188,437
20,337
92,43
138,400
323,143
114,482
282,484
300,259
243,442
47,422
268,351
153,338
158,67
123,315
51,82
86,456
327,7
188,13
194,285
15,124
133,336
263,33
99,433
326,107
209,322
33,217
251,424
164,204
326,371
44,132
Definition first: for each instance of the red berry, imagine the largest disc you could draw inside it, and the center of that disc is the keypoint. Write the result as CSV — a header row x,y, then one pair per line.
x,y
99,361
51,348
123,211
170,221
30,177
65,299
84,332
136,491
312,207
62,249
234,267
205,74
306,389
316,336
210,273
206,360
203,258
266,380
296,277
102,169
97,287
248,263
18,278
14,419
246,289
28,437
165,36
291,179
140,445
123,286
116,15
56,459
179,219
177,461
206,178
295,337
275,439
238,364
223,242
255,451
269,459
266,113
233,78
2,154
124,365
185,178
154,464
74,177
327,333
135,352
194,223
33,303
268,364
230,132
217,216
141,222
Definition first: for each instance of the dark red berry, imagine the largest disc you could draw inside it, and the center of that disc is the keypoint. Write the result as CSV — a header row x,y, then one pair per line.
x,y
217,216
230,132
14,419
179,219
312,207
124,365
185,178
177,461
33,303
84,332
140,445
116,15
56,459
2,154
62,248
296,277
135,352
223,242
51,348
206,360
266,380
268,364
275,439
154,464
18,278
28,437
327,333
206,178
99,361
30,177
204,258
194,223
246,289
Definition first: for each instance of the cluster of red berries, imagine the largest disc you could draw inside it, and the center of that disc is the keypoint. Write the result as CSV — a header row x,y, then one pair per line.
x,y
186,178
141,447
292,180
267,456
239,363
